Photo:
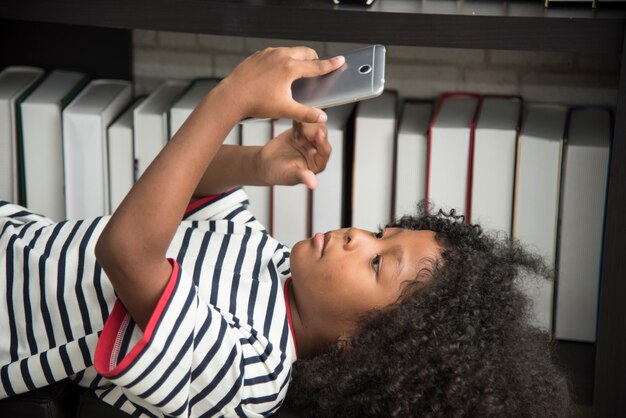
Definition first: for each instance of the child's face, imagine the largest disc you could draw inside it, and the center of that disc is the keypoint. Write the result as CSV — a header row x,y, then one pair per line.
x,y
338,276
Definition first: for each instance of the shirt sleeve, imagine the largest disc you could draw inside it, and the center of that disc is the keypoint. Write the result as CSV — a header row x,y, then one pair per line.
x,y
187,362
17,214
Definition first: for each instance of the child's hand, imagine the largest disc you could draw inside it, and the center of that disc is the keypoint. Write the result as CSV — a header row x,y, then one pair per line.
x,y
260,86
296,155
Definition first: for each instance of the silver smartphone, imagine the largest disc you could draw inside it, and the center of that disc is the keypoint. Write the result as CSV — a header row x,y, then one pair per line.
x,y
361,77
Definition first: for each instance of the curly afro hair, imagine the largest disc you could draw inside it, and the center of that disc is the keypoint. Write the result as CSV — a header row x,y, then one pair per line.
x,y
458,345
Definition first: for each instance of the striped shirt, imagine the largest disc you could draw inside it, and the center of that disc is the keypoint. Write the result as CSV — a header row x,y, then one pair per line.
x,y
219,342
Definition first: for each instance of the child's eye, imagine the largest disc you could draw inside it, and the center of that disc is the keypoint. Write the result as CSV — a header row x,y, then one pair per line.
x,y
379,235
376,263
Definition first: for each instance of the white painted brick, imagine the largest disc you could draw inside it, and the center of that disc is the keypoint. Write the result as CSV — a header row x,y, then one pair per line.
x,y
224,64
603,62
533,59
257,44
412,71
488,81
457,56
177,40
421,80
221,43
569,88
171,64
144,38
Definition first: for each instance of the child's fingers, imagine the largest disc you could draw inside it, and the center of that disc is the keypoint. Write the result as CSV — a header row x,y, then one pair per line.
x,y
302,53
320,140
317,136
320,67
308,178
312,141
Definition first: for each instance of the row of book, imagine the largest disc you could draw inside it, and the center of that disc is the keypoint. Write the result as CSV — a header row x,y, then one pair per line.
x,y
71,148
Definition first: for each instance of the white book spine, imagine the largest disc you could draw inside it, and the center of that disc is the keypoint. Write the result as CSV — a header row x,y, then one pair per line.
x,y
43,159
536,211
257,133
177,118
121,162
493,179
372,184
8,190
151,137
493,166
448,169
582,223
85,149
327,197
290,204
450,144
289,214
14,83
120,143
150,122
583,201
42,141
409,189
411,158
85,172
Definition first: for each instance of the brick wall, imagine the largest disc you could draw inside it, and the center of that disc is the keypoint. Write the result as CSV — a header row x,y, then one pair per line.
x,y
414,71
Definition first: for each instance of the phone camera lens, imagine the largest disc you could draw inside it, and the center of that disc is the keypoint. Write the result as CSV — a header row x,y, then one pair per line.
x,y
364,69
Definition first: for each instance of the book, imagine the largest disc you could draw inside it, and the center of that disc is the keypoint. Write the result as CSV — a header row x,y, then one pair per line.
x,y
85,122
450,143
121,162
372,161
290,204
536,202
493,166
42,142
327,200
257,132
189,100
411,157
582,207
150,121
16,82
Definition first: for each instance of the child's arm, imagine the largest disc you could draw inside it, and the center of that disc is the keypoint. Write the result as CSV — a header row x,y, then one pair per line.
x,y
133,245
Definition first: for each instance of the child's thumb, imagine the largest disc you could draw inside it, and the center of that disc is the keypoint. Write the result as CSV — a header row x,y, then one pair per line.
x,y
307,114
308,178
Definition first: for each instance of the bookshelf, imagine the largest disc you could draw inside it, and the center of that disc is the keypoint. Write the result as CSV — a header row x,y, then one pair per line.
x,y
95,36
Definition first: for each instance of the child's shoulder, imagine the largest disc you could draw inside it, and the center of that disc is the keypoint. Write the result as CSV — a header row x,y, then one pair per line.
x,y
232,205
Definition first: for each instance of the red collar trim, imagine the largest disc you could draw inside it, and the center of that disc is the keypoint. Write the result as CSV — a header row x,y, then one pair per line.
x,y
205,200
288,308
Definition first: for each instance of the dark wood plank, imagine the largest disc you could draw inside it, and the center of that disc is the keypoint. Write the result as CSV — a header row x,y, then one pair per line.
x,y
610,388
577,360
519,25
99,52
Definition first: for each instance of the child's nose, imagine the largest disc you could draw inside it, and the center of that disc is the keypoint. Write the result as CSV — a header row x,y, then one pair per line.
x,y
353,238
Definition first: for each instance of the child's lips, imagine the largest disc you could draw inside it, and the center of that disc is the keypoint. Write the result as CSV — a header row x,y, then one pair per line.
x,y
320,241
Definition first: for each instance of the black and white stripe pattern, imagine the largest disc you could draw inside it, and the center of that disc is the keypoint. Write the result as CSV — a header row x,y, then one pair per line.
x,y
220,344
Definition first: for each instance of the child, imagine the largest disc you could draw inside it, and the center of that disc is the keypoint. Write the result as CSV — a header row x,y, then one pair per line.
x,y
419,319
457,343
